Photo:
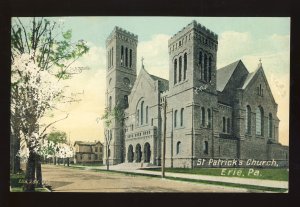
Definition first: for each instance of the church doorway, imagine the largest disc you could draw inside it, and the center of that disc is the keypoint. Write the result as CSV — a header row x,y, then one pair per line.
x,y
138,152
130,153
147,152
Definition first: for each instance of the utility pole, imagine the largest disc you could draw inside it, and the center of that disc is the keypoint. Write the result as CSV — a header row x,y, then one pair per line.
x,y
108,139
164,138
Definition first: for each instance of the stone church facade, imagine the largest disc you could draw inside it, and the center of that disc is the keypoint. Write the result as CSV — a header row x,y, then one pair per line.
x,y
227,113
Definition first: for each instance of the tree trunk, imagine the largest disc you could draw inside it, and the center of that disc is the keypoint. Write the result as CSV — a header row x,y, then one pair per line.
x,y
38,168
54,160
15,147
68,161
30,173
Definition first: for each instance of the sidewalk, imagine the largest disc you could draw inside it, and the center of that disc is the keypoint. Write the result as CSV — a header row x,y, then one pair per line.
x,y
235,180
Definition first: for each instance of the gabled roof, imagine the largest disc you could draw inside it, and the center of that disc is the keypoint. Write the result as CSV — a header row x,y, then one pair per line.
x,y
224,74
249,78
165,83
86,143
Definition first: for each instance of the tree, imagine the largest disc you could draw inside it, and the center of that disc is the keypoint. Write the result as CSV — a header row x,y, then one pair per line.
x,y
117,113
65,151
34,92
57,137
42,55
52,50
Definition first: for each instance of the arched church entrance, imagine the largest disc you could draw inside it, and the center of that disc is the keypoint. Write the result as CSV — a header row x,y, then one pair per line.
x,y
130,153
138,152
147,152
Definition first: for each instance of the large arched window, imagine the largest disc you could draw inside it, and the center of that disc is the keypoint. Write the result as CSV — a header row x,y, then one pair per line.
x,y
208,118
130,58
108,59
180,68
112,56
248,120
175,71
142,112
200,61
259,121
224,124
178,147
184,66
109,103
146,114
126,57
205,147
202,116
228,125
137,117
205,67
122,55
181,117
125,101
175,118
209,68
270,125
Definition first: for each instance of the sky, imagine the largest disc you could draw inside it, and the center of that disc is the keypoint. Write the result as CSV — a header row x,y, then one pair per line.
x,y
245,38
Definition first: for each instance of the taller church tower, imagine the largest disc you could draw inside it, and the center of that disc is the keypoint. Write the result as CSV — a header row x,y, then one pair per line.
x,y
121,56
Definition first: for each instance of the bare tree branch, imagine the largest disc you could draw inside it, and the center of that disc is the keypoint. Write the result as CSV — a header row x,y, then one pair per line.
x,y
24,30
53,123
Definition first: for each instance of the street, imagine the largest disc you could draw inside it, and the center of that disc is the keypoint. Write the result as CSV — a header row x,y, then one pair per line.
x,y
67,179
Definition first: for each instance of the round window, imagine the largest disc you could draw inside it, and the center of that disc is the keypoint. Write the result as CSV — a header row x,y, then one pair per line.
x,y
126,82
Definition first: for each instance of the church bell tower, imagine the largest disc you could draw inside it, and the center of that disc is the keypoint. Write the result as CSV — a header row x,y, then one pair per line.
x,y
121,56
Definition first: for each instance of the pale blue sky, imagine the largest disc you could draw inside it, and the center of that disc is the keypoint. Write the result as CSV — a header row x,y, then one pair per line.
x,y
245,38
95,29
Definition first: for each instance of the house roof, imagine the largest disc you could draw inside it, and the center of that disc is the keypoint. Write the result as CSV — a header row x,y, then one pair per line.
x,y
224,74
86,143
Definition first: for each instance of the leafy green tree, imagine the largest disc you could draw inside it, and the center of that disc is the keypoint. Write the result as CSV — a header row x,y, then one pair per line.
x,y
52,50
116,113
57,137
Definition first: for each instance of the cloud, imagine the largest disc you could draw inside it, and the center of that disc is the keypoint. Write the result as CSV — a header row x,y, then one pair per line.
x,y
84,122
155,54
95,58
232,45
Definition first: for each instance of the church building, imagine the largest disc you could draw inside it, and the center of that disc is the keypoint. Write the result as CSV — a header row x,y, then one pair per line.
x,y
227,113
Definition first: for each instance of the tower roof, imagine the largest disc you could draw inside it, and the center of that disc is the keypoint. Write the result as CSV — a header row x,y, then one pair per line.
x,y
123,32
198,27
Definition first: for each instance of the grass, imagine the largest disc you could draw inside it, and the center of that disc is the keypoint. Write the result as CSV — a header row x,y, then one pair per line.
x,y
20,189
17,185
266,174
249,187
87,164
207,170
15,180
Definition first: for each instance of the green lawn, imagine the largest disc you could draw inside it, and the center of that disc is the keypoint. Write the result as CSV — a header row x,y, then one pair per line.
x,y
87,164
267,174
16,183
